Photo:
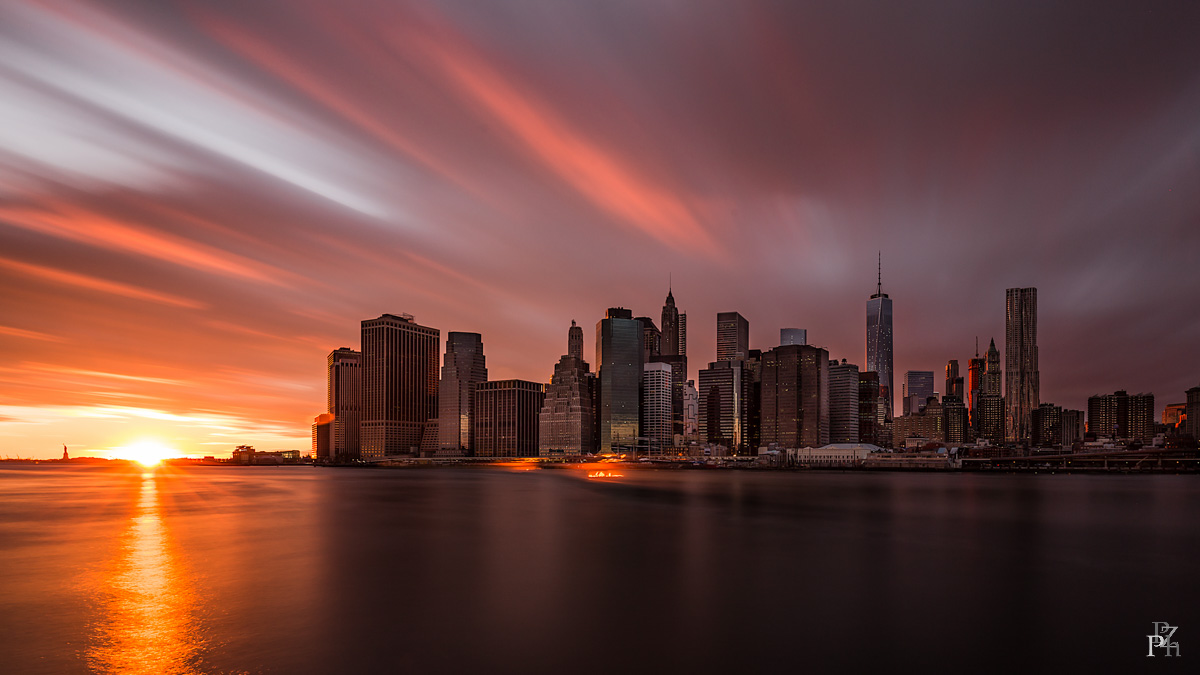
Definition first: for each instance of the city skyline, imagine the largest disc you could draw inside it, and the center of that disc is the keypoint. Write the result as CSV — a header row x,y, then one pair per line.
x,y
197,206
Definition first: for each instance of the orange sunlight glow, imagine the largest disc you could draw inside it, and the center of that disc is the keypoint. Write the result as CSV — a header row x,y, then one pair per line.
x,y
147,452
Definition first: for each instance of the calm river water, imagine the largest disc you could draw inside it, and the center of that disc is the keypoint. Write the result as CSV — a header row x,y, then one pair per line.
x,y
305,570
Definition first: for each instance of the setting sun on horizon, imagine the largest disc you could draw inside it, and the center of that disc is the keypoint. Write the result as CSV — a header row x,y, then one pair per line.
x,y
146,452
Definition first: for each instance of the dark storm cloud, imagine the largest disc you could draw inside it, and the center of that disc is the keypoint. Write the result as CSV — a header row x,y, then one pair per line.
x,y
208,196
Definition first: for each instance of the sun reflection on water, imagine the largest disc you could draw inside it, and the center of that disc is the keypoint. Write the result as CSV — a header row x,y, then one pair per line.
x,y
148,605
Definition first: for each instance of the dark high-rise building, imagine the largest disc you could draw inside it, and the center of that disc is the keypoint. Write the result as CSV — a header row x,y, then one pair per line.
x,y
1047,426
954,383
843,402
879,341
1191,423
506,418
619,354
991,418
462,368
958,427
344,403
918,387
1122,416
723,409
733,336
651,338
674,329
870,409
1021,387
567,421
1072,426
322,438
795,396
575,341
399,384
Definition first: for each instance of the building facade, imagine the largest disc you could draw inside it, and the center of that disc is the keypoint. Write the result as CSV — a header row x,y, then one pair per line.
x,y
399,384
463,367
1021,377
733,336
506,418
658,426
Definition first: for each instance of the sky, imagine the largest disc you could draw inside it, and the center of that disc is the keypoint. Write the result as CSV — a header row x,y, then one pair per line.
x,y
199,200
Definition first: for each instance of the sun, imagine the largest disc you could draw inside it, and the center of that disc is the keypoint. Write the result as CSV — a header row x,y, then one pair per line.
x,y
146,453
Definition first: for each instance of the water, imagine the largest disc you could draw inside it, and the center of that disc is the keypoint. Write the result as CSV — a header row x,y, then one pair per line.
x,y
303,570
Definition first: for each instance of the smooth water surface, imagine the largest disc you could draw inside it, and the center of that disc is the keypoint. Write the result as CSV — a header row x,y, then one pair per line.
x,y
310,570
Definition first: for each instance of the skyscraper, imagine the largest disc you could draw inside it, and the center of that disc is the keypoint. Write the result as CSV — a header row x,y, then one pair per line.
x,y
399,384
506,418
619,353
917,388
1021,389
843,402
463,368
566,423
795,396
733,336
344,403
879,340
657,422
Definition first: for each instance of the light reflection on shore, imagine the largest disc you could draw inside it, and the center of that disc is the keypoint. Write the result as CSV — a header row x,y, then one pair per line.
x,y
147,605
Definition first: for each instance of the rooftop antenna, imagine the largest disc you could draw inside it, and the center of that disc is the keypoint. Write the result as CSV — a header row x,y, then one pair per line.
x,y
976,346
879,279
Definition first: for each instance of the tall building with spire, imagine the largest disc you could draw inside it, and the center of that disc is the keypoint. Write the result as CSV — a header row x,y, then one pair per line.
x,y
879,340
1021,389
673,351
674,328
990,407
463,368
